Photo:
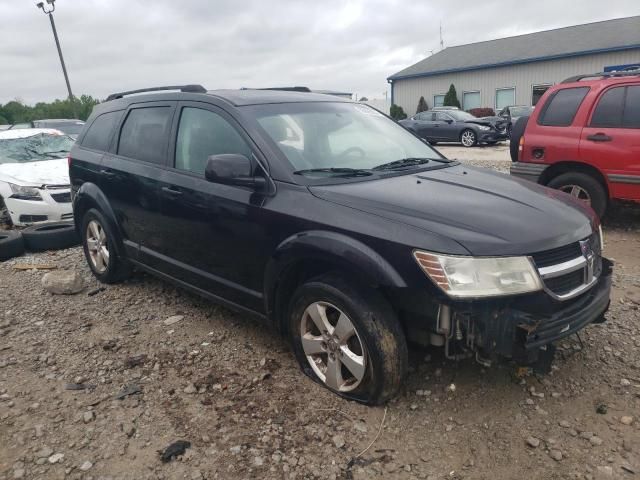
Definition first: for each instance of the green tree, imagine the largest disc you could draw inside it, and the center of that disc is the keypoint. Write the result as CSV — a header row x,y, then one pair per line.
x,y
397,113
17,112
422,105
451,98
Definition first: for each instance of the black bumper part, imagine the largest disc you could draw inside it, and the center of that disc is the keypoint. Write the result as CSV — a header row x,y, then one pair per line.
x,y
520,328
528,171
587,309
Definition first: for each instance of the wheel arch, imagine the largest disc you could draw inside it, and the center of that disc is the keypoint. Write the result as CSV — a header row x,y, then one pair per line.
x,y
309,254
90,196
572,166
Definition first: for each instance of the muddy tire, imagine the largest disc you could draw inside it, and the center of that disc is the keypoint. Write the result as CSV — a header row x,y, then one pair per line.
x,y
50,236
584,187
347,337
98,243
11,244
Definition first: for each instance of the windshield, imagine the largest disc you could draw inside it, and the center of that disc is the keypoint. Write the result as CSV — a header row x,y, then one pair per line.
x,y
335,137
70,128
43,146
460,115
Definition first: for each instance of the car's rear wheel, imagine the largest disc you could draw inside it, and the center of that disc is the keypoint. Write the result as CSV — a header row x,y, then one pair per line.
x,y
98,242
468,138
583,187
348,338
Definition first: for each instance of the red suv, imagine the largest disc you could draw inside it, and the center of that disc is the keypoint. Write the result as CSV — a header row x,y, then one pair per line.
x,y
584,138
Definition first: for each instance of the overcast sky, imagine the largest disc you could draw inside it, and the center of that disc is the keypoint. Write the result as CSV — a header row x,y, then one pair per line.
x,y
111,45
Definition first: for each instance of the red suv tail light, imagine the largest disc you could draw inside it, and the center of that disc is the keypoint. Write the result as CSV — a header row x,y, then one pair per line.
x,y
521,148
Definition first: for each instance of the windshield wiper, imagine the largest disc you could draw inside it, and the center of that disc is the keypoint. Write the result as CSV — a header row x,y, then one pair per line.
x,y
341,171
402,163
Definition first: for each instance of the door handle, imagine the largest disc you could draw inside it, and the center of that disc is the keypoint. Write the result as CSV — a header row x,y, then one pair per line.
x,y
107,173
171,191
599,137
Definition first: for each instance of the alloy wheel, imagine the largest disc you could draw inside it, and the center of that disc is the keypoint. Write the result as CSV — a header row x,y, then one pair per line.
x,y
468,138
97,246
578,192
332,346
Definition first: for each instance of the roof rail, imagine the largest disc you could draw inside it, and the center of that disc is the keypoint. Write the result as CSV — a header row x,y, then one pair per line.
x,y
621,73
182,88
284,89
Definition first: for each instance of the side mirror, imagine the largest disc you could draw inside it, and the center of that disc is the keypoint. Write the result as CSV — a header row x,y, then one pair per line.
x,y
232,169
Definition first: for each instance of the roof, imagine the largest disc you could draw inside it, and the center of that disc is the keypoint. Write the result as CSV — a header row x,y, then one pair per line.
x,y
255,97
27,132
599,37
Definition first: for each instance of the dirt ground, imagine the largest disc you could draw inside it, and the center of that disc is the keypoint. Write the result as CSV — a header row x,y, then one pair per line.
x,y
231,387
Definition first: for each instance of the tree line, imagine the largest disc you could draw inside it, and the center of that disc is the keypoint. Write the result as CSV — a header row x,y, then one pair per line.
x,y
17,111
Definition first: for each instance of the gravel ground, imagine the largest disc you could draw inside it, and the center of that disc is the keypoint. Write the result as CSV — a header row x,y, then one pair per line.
x,y
231,388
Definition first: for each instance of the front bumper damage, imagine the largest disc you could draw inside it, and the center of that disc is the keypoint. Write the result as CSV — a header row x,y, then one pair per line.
x,y
522,328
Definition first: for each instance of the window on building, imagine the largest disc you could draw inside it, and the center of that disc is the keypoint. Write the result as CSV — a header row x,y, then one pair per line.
x,y
438,100
505,97
470,100
202,133
608,112
631,117
100,132
144,134
561,108
537,91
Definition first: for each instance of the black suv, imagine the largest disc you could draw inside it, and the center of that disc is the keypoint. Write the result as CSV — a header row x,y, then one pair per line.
x,y
345,231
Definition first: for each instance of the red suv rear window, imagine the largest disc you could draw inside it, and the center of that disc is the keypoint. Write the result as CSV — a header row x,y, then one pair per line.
x,y
561,108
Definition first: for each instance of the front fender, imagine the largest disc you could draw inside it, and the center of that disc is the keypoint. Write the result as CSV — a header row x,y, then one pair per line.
x,y
333,247
89,196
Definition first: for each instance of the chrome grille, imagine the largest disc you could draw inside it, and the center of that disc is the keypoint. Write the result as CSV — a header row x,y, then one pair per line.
x,y
570,270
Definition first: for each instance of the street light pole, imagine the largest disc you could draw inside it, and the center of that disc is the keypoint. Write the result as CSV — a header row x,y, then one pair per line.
x,y
49,12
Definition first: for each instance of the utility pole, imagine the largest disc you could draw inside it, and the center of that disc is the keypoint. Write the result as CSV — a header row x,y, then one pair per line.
x,y
441,40
49,11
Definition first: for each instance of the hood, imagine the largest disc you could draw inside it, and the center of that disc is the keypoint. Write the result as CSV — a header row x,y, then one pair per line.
x,y
45,172
487,212
489,121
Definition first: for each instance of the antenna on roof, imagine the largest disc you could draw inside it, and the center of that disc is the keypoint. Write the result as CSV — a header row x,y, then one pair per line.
x,y
441,40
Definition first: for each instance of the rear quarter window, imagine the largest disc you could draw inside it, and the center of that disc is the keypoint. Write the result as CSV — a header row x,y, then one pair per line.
x,y
562,106
144,134
99,135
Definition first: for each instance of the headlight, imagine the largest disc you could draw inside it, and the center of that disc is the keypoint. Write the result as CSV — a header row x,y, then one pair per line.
x,y
483,127
25,193
467,277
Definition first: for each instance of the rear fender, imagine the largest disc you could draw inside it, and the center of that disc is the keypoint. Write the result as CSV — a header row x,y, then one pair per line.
x,y
90,196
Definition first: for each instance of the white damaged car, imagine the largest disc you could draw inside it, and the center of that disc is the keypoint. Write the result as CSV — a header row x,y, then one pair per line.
x,y
34,176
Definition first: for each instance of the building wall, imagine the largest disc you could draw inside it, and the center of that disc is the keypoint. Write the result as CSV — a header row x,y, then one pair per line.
x,y
407,92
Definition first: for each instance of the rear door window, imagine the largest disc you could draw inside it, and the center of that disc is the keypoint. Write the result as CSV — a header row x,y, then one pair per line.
x,y
631,117
99,135
608,112
144,134
562,106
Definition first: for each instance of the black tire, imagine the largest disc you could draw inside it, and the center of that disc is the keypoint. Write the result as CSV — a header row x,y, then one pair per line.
x,y
11,244
597,193
517,130
376,326
117,268
467,131
50,236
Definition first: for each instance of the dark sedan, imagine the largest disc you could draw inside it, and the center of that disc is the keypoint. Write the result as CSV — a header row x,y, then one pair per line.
x,y
457,126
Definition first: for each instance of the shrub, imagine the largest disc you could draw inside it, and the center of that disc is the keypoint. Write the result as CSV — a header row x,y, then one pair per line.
x,y
422,105
397,113
451,98
482,112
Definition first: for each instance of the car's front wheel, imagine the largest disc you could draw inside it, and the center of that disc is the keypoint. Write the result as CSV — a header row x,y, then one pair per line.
x,y
98,242
347,337
468,138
